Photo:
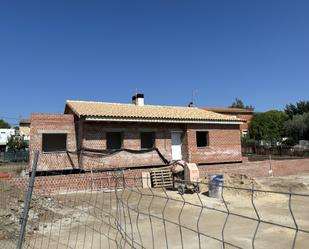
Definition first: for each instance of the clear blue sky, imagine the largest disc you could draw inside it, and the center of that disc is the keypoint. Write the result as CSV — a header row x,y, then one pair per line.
x,y
51,51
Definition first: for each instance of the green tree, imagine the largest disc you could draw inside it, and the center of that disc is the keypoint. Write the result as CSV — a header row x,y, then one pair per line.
x,y
238,103
297,128
17,143
4,124
299,108
267,126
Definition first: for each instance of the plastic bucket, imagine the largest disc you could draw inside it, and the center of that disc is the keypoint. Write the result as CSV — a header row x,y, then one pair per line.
x,y
215,186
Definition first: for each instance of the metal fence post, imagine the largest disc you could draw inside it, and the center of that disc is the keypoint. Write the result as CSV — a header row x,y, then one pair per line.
x,y
24,216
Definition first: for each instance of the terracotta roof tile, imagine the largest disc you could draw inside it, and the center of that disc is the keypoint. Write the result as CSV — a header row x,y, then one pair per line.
x,y
228,109
116,110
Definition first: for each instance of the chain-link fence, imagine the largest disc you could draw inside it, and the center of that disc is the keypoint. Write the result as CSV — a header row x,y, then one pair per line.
x,y
120,209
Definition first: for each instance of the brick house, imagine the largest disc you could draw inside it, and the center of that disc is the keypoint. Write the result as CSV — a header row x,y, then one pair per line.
x,y
245,114
104,136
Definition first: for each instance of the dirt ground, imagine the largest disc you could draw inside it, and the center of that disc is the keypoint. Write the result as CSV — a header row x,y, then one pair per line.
x,y
157,218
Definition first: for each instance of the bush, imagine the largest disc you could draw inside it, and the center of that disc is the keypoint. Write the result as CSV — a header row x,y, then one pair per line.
x,y
249,142
17,143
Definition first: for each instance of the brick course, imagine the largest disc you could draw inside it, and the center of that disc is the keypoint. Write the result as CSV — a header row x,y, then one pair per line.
x,y
45,123
94,137
88,181
259,169
224,143
79,182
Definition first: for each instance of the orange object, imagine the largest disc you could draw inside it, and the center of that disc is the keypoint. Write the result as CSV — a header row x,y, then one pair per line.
x,y
191,173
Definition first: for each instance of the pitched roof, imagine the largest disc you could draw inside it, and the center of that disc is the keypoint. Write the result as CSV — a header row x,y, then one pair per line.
x,y
152,113
227,109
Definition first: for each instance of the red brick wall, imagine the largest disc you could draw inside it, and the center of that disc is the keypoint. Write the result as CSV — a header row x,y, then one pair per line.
x,y
79,182
248,118
94,137
224,144
259,169
48,123
242,115
88,181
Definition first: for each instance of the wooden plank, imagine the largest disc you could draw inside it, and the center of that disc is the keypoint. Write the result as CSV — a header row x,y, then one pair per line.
x,y
156,175
162,185
161,177
155,183
165,174
161,180
160,170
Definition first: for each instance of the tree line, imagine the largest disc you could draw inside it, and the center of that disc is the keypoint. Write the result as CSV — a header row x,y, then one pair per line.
x,y
272,126
287,126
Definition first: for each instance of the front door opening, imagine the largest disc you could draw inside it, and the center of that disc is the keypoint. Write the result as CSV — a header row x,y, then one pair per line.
x,y
176,146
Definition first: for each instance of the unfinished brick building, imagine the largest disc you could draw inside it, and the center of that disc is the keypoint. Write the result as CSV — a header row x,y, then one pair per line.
x,y
104,136
245,114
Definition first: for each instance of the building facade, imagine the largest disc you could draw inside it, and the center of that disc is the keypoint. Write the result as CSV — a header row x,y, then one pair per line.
x,y
245,114
105,136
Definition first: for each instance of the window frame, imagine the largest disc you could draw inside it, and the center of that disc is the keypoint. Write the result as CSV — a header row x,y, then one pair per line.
x,y
153,137
207,138
121,140
54,151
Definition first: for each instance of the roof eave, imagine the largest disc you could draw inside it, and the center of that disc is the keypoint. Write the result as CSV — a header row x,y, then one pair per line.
x,y
156,120
240,111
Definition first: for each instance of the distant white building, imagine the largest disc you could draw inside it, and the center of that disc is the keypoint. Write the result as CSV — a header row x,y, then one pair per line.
x,y
302,145
24,129
5,134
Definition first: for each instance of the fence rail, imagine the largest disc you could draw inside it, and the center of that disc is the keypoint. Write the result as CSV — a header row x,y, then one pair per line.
x,y
14,156
277,151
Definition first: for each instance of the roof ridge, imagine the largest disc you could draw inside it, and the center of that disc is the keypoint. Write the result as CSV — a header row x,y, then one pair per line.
x,y
109,109
129,104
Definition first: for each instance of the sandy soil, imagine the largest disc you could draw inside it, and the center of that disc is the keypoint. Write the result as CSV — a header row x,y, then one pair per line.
x,y
150,218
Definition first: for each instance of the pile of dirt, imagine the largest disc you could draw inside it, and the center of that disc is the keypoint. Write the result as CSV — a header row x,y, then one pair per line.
x,y
11,207
239,181
240,184
285,184
236,180
235,184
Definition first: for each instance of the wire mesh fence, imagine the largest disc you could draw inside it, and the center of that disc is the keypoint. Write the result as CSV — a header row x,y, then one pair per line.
x,y
120,209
